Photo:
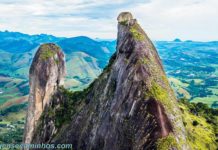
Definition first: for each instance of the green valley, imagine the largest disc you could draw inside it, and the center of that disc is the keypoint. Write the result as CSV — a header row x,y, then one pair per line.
x,y
191,67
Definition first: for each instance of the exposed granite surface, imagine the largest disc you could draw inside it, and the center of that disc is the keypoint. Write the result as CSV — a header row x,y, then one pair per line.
x,y
46,75
129,106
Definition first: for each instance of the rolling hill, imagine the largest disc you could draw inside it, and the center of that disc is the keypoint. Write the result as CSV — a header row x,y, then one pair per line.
x,y
191,67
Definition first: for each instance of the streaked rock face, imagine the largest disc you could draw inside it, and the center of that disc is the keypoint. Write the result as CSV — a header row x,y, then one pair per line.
x,y
130,106
46,75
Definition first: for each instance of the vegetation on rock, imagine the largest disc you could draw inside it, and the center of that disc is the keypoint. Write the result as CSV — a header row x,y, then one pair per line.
x,y
201,123
167,143
124,23
47,52
161,95
135,30
67,107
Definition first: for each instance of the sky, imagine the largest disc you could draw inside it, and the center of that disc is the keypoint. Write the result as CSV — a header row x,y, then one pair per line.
x,y
161,19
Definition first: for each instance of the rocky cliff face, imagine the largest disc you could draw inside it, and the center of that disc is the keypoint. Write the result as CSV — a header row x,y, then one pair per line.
x,y
130,106
46,75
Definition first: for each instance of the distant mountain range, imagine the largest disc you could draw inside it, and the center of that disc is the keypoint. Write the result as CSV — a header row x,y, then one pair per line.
x,y
19,49
191,66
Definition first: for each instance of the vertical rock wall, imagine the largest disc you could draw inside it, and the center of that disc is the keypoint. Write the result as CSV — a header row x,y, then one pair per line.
x,y
46,74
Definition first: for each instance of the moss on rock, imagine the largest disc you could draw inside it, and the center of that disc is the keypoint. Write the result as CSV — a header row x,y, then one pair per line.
x,y
160,94
124,23
137,35
166,143
48,51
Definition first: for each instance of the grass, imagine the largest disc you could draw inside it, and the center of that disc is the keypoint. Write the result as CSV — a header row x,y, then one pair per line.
x,y
184,93
166,143
214,90
182,89
15,119
177,82
15,116
7,97
200,137
78,66
23,72
10,89
209,100
4,122
198,81
179,87
71,81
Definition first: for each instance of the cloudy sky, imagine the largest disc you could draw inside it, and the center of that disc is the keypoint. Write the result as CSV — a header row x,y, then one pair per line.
x,y
161,19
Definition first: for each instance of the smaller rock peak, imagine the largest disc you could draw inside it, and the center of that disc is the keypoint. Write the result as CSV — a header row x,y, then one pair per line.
x,y
46,75
124,17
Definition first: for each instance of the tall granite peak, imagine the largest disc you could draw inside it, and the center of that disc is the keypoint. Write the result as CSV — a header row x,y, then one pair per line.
x,y
129,106
46,75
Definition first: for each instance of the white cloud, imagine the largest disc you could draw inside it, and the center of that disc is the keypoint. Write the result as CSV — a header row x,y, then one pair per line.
x,y
161,19
184,19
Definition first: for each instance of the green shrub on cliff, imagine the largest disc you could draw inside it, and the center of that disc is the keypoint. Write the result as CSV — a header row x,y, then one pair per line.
x,y
46,54
201,123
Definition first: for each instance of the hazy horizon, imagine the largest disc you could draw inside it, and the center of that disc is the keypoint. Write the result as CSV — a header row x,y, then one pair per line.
x,y
161,19
105,39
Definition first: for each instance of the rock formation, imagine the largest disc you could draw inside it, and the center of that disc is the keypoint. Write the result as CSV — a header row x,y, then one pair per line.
x,y
46,75
129,106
